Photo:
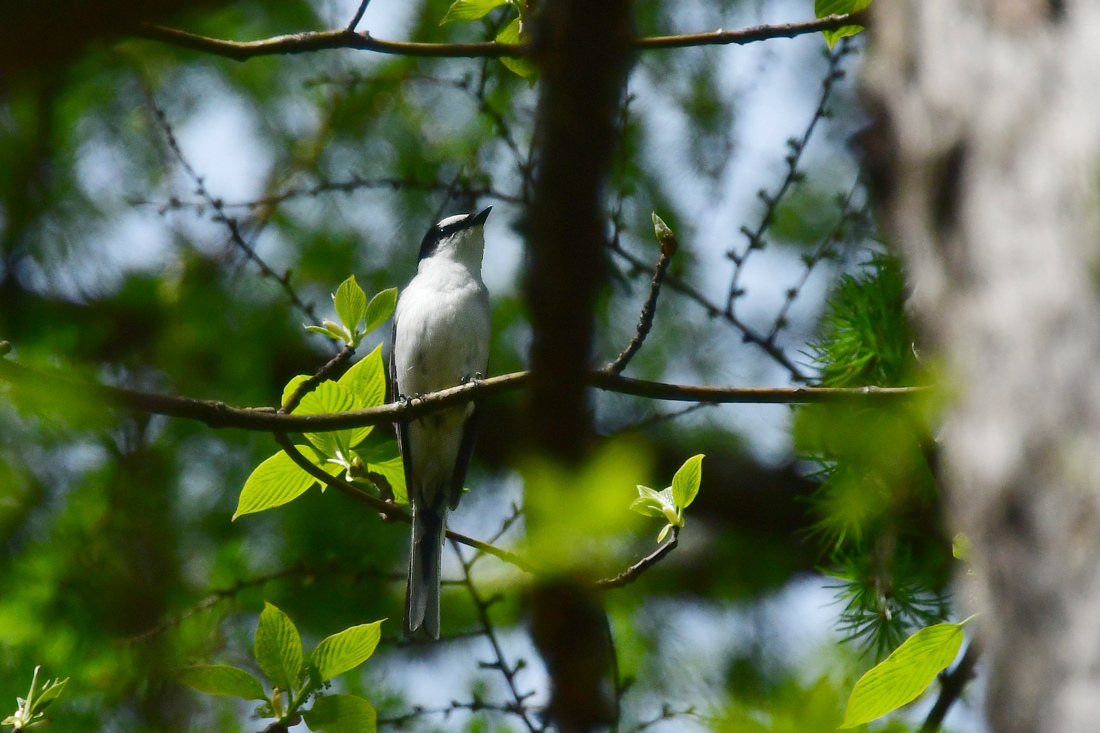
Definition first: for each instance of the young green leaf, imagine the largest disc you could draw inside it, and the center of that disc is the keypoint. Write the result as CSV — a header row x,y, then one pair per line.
x,y
380,309
513,33
825,8
292,385
366,381
279,648
30,709
904,675
50,691
470,9
648,503
393,471
351,304
685,484
275,482
330,397
346,650
223,680
333,330
342,714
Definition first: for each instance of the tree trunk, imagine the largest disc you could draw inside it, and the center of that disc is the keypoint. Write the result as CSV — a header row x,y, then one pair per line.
x,y
984,156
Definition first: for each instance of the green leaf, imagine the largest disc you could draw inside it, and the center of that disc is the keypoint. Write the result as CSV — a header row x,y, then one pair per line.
x,y
648,503
384,459
667,498
470,9
292,385
393,470
647,507
329,397
275,482
351,304
380,309
223,680
904,675
685,484
346,650
50,691
513,34
825,8
279,648
332,330
342,714
366,381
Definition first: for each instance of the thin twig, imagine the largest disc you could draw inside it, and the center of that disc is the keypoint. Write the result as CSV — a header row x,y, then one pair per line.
x,y
474,706
649,311
748,334
501,663
231,224
308,42
951,688
797,147
811,260
307,385
354,183
656,419
631,574
389,511
358,16
506,525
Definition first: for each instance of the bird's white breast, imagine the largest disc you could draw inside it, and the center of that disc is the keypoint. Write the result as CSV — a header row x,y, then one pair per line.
x,y
442,333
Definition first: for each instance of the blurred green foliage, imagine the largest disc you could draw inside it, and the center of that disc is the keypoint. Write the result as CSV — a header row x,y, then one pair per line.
x,y
119,562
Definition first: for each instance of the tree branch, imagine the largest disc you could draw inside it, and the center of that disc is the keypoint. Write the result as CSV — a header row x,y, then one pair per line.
x,y
951,687
311,41
265,419
220,415
649,311
631,573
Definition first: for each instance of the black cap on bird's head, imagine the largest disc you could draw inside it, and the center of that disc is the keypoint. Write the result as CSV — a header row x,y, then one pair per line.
x,y
448,228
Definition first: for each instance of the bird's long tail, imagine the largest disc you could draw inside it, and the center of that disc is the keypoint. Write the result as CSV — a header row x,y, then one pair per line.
x,y
429,529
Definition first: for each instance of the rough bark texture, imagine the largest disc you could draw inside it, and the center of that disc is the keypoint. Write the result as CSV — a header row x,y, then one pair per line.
x,y
985,153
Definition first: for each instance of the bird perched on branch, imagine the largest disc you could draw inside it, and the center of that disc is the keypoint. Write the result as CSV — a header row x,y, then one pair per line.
x,y
440,340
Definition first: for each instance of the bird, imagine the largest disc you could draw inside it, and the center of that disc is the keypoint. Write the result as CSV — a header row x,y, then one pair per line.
x,y
440,339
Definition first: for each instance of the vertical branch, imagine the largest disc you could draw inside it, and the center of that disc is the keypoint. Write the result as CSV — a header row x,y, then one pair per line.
x,y
583,50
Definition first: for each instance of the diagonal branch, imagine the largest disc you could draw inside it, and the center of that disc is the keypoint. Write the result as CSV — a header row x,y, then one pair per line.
x,y
951,688
347,38
649,310
631,573
388,510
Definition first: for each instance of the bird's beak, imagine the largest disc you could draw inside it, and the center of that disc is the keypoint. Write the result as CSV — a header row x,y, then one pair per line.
x,y
479,218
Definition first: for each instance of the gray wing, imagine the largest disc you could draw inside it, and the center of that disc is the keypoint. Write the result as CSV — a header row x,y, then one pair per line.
x,y
400,427
469,435
465,450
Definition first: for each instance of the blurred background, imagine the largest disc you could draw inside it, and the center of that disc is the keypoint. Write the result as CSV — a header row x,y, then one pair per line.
x,y
170,219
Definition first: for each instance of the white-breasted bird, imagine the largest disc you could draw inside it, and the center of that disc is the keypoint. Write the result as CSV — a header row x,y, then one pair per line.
x,y
440,339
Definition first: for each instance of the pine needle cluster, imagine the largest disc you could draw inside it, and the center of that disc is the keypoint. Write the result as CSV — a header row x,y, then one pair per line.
x,y
876,509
